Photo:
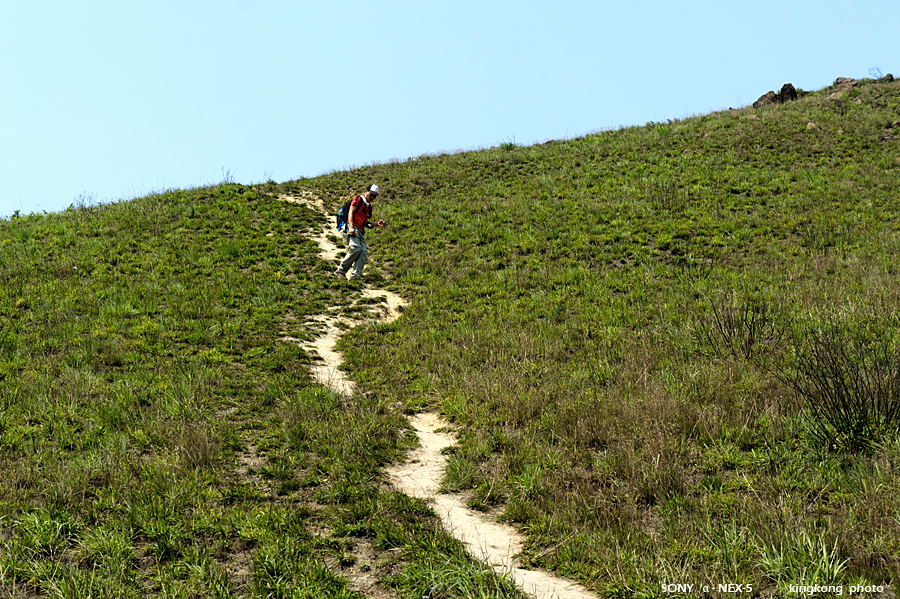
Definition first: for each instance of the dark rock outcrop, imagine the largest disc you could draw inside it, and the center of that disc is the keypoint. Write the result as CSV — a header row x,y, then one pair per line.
x,y
767,99
787,94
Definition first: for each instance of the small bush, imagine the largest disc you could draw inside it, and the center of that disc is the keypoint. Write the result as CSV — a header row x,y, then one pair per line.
x,y
744,329
849,378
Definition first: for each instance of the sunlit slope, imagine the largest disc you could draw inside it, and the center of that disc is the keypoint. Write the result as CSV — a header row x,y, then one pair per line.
x,y
160,434
639,331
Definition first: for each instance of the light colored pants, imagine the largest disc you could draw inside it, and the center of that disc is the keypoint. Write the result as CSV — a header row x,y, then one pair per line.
x,y
356,256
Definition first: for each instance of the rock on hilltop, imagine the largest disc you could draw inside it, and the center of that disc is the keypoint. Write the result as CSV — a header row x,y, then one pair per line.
x,y
787,94
841,87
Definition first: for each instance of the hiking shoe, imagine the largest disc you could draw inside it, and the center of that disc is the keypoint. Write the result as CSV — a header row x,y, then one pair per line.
x,y
339,274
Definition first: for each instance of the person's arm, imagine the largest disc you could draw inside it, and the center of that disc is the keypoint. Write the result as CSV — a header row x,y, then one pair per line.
x,y
351,231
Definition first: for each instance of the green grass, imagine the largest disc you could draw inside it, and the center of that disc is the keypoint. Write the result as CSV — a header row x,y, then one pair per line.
x,y
619,324
156,436
624,326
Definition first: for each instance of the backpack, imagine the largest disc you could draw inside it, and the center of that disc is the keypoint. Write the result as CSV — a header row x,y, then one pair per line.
x,y
343,213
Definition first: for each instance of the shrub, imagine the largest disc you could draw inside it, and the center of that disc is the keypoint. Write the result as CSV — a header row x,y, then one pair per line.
x,y
744,329
848,375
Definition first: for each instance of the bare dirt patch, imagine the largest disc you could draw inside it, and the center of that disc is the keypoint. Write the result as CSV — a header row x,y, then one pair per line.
x,y
364,572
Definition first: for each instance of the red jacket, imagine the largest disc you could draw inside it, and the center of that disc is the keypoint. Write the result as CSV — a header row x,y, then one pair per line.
x,y
363,212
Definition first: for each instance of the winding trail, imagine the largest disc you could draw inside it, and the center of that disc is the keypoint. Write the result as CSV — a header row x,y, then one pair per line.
x,y
494,543
421,474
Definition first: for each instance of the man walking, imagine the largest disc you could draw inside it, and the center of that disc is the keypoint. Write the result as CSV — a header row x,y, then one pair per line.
x,y
354,234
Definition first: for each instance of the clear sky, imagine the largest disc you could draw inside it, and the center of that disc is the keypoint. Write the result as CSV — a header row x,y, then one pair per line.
x,y
105,100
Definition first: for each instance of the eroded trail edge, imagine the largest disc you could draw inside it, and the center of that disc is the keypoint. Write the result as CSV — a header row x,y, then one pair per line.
x,y
495,543
420,475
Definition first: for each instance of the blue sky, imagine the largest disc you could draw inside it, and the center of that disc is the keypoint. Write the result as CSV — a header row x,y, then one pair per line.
x,y
104,100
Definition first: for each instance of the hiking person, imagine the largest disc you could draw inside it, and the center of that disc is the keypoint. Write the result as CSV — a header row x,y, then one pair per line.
x,y
354,233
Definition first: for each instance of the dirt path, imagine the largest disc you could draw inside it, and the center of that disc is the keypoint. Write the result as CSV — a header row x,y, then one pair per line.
x,y
495,543
420,476
328,373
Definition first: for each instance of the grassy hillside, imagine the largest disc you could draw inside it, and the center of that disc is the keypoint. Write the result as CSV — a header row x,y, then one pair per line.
x,y
159,436
671,349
